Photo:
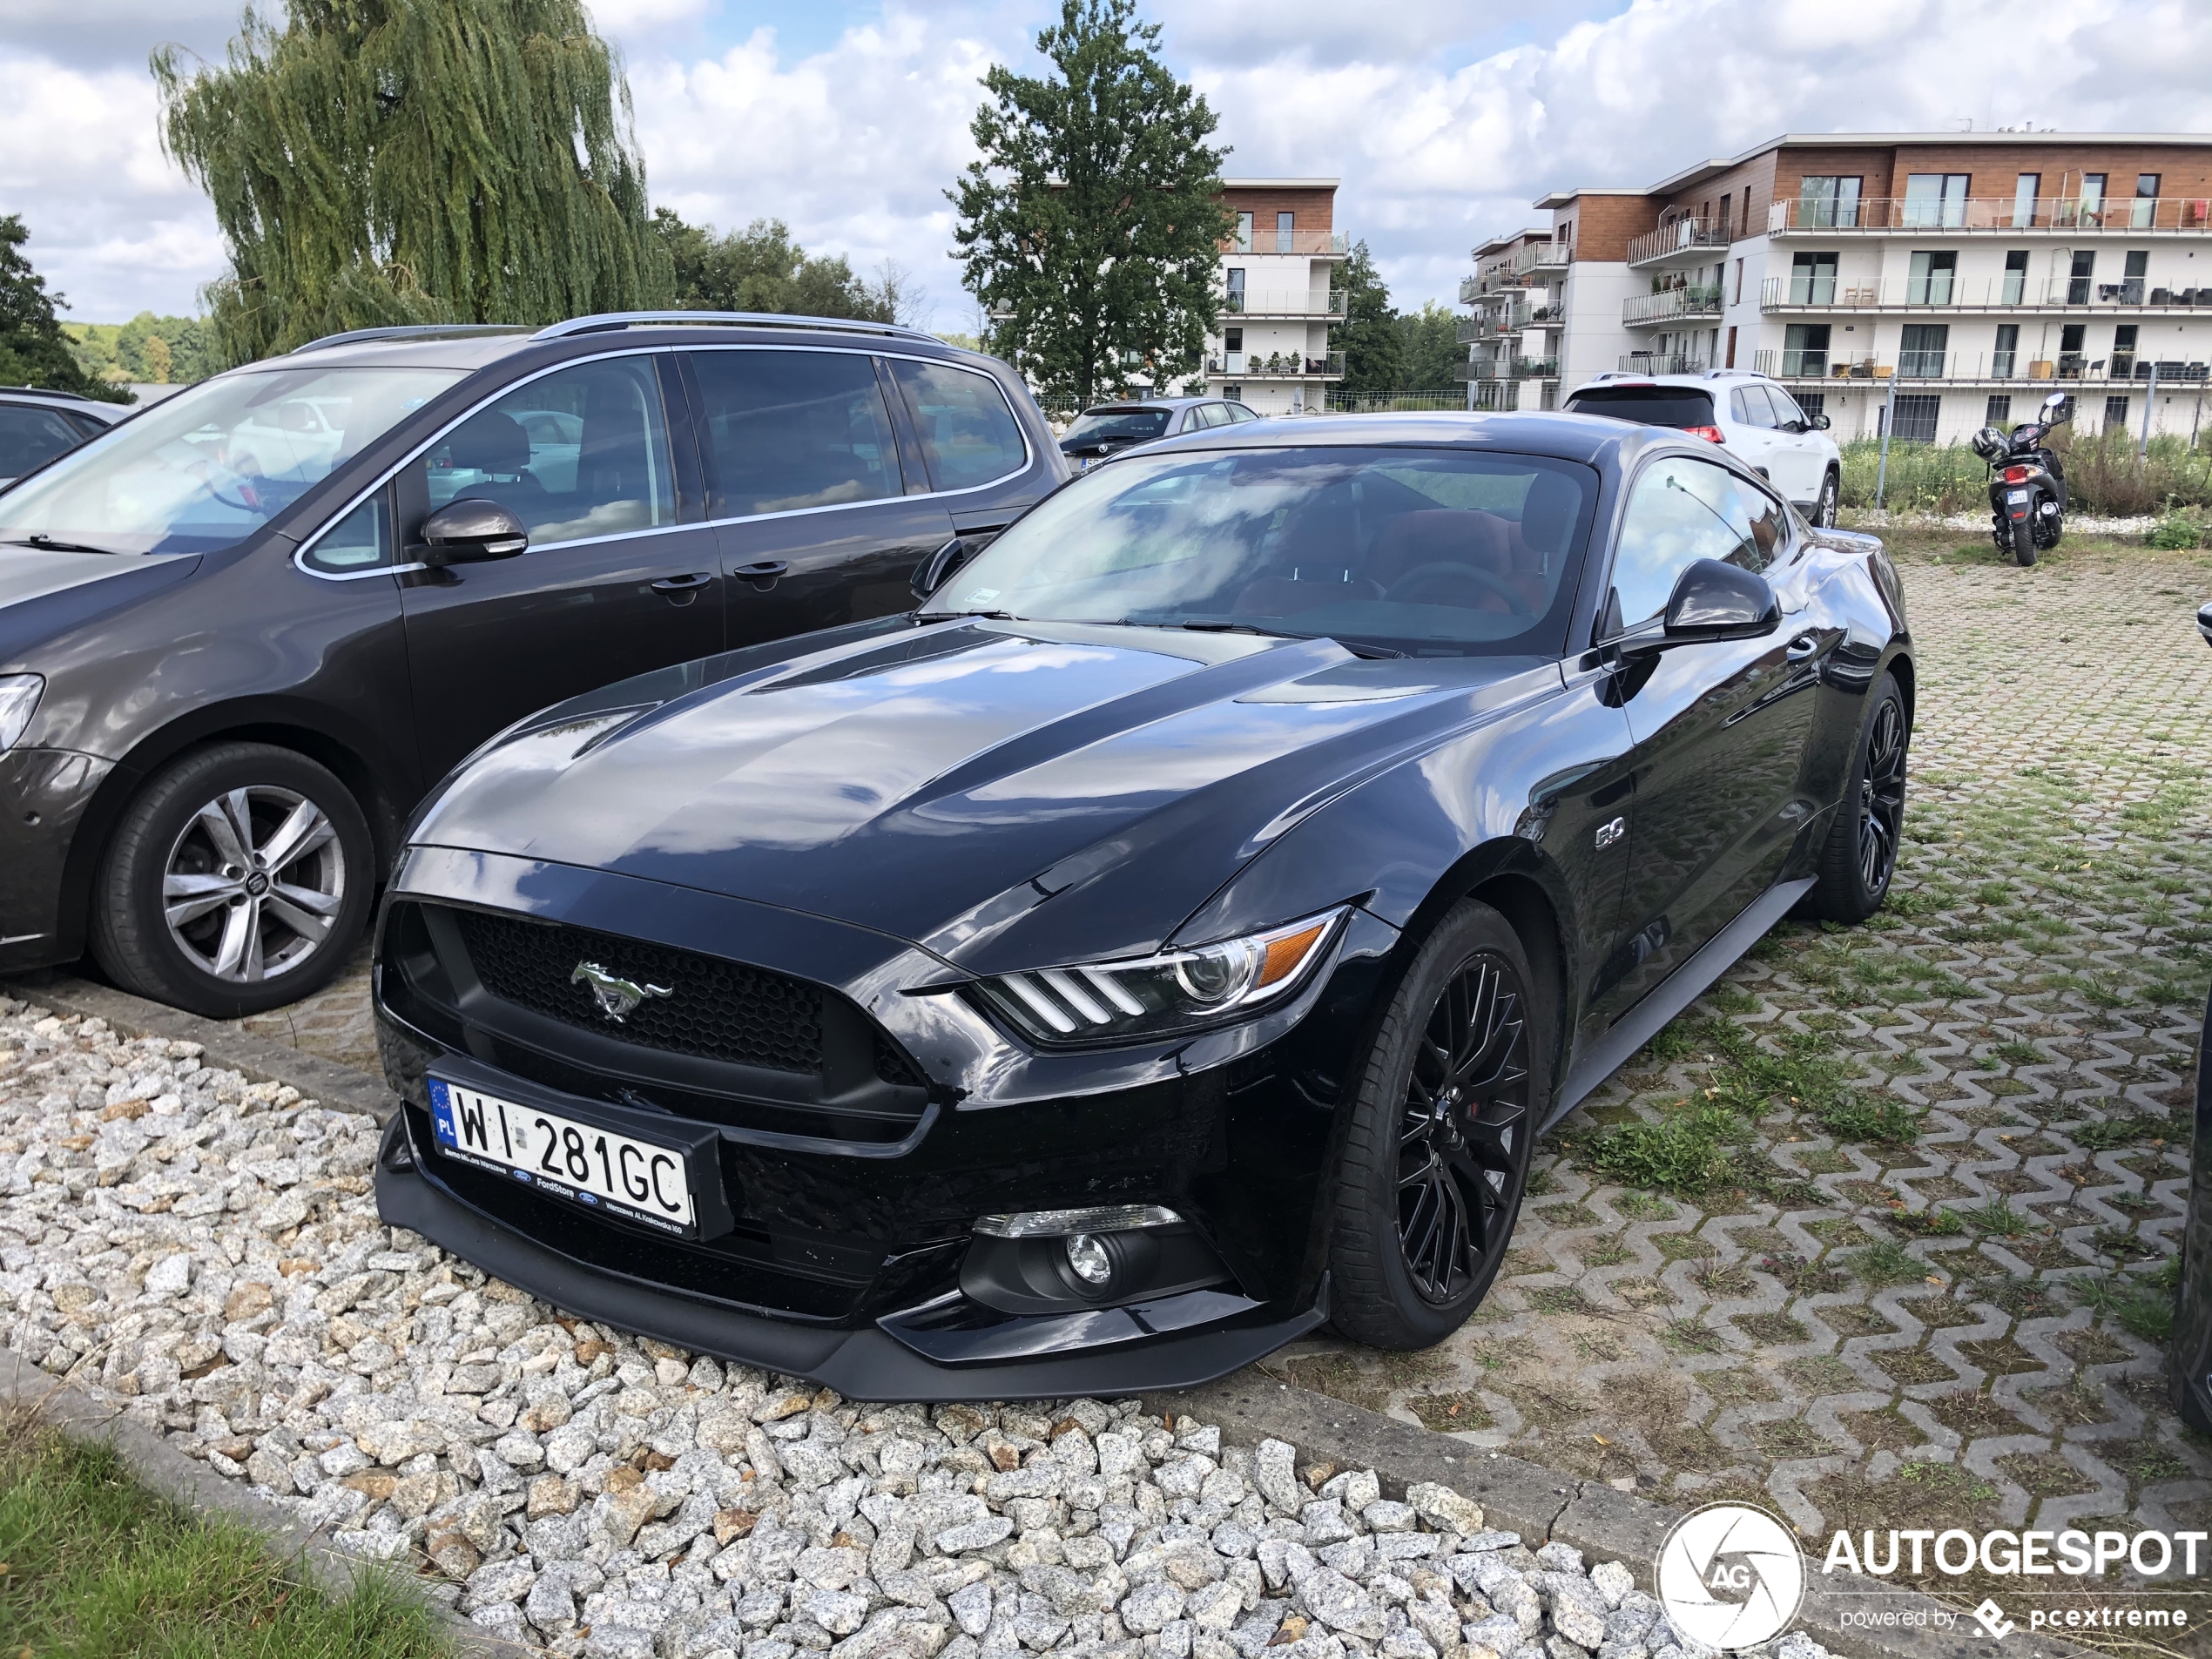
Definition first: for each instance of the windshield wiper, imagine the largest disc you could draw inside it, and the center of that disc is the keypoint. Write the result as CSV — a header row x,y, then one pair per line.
x,y
1357,648
963,615
46,543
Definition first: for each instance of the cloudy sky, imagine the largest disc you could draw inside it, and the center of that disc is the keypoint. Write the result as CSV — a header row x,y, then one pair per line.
x,y
847,118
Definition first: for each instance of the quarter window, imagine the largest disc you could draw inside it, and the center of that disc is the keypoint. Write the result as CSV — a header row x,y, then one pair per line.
x,y
1684,511
358,541
790,430
577,454
967,432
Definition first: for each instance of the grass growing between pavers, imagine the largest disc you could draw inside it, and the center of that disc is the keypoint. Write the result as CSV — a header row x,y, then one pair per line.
x,y
1887,1196
93,1566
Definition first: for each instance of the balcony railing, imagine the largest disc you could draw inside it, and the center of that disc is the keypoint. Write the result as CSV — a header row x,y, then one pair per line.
x,y
1940,290
1683,236
1263,240
1660,363
1540,256
1283,302
1275,366
1673,304
1471,289
1493,325
1507,368
2129,215
1916,367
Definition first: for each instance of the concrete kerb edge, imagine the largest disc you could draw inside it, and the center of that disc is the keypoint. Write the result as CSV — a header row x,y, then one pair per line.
x,y
162,1469
1538,1502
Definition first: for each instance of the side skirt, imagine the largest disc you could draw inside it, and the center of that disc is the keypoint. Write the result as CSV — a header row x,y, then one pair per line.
x,y
1673,994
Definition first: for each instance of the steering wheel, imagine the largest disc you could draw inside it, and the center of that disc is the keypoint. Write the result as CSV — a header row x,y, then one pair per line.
x,y
1401,591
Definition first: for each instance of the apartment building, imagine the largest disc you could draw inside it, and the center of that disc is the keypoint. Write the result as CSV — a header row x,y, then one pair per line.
x,y
1279,295
1926,283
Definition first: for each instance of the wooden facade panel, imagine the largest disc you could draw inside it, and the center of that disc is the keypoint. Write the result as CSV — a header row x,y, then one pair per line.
x,y
1315,209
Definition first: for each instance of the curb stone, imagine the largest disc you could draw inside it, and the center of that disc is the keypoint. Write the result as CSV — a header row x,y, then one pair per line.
x,y
192,1487
1249,1407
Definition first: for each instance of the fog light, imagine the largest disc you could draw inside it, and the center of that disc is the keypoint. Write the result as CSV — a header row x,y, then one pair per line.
x,y
1088,1260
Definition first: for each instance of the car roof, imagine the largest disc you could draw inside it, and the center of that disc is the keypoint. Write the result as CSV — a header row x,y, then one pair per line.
x,y
1136,405
1704,379
75,402
1569,437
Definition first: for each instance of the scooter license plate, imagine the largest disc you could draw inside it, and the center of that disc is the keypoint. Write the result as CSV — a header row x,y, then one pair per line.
x,y
2016,494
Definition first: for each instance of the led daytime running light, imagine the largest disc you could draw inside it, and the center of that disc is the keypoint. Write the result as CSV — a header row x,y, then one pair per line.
x,y
1058,1224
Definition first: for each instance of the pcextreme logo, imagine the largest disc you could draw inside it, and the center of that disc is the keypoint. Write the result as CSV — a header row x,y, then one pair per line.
x,y
1730,1576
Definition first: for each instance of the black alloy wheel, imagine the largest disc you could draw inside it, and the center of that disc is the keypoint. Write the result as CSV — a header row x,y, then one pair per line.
x,y
1436,1146
1858,859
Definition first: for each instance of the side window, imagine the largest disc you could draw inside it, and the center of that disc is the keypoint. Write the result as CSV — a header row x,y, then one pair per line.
x,y
1786,412
32,437
789,430
579,453
1750,405
1680,511
966,430
357,541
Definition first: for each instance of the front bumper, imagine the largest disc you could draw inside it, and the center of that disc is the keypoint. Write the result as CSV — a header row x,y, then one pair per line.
x,y
43,795
842,1249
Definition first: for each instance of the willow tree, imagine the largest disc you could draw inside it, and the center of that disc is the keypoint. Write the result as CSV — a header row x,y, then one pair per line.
x,y
1090,221
383,161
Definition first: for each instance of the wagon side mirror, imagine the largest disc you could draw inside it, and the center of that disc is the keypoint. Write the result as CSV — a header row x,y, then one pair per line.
x,y
468,531
1714,600
937,570
1819,422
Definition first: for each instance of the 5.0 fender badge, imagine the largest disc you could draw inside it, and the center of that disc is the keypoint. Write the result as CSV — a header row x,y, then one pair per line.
x,y
617,996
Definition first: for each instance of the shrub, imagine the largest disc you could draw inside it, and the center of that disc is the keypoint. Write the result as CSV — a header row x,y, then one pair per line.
x,y
2104,476
2174,531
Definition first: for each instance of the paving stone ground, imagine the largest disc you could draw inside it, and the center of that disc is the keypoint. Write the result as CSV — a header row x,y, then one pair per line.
x,y
1887,1222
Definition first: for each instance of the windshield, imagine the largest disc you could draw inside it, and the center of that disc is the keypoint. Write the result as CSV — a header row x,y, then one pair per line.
x,y
1425,551
1647,405
1135,425
215,462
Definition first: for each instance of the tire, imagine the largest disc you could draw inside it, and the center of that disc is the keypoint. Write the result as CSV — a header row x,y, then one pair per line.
x,y
1858,859
1823,508
2024,549
1430,1177
194,845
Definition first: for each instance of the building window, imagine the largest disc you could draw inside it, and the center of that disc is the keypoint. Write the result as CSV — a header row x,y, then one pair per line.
x,y
2138,272
1931,277
1811,402
2071,336
1921,357
2124,351
1736,297
2093,197
1727,235
1805,351
1244,233
1232,339
1237,272
2024,194
1234,394
2146,200
2002,359
1284,223
1999,412
1731,350
2115,415
2077,282
1812,279
2016,288
1917,415
1935,198
1824,201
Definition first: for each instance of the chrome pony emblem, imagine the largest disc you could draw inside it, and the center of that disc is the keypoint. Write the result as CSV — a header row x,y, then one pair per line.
x,y
616,997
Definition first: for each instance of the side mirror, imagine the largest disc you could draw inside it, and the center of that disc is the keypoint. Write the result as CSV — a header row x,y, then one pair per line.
x,y
1819,424
937,570
2057,409
1713,599
468,531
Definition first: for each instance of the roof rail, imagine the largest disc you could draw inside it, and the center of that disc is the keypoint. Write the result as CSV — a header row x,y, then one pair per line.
x,y
412,331
50,391
607,322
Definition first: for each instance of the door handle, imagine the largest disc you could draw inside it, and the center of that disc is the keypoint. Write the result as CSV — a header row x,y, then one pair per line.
x,y
691,584
764,571
1805,645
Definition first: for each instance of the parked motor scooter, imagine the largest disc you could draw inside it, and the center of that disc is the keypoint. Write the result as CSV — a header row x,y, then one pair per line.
x,y
2027,483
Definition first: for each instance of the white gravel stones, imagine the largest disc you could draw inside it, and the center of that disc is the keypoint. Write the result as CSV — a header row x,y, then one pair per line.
x,y
206,1252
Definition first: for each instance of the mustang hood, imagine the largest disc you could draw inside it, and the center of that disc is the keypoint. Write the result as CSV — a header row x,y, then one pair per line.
x,y
958,785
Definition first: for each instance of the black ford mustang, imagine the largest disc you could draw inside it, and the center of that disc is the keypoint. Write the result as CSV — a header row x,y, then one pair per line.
x,y
1172,935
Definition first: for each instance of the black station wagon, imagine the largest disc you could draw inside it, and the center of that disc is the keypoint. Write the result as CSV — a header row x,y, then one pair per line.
x,y
243,633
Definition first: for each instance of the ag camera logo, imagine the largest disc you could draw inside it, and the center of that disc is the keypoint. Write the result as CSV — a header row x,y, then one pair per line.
x,y
1730,1576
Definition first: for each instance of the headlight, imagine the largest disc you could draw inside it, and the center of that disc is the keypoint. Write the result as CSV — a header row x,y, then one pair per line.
x,y
19,701
1158,996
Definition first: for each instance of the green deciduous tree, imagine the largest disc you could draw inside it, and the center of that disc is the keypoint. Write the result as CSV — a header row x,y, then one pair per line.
x,y
386,161
33,350
1431,346
1374,350
1090,222
760,268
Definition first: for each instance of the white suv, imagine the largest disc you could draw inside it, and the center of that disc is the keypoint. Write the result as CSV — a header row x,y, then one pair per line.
x,y
1744,412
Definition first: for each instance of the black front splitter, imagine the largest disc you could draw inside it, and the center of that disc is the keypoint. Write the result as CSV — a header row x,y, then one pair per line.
x,y
864,1365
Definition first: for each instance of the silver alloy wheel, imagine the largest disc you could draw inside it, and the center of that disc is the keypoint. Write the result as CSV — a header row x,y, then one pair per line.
x,y
253,883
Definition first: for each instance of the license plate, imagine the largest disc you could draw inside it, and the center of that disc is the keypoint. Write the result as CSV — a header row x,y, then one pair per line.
x,y
2016,494
596,1168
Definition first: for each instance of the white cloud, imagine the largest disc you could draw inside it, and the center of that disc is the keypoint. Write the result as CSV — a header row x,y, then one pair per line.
x,y
114,226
